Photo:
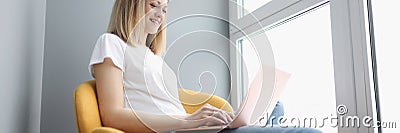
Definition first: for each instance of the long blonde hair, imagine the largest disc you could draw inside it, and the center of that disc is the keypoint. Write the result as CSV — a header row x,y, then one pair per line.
x,y
125,22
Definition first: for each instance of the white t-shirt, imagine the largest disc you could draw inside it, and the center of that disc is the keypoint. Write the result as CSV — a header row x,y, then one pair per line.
x,y
149,83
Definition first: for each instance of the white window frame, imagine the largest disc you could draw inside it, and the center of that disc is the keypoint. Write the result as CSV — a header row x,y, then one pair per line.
x,y
349,44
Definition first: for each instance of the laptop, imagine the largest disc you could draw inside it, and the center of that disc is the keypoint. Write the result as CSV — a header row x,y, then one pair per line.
x,y
244,114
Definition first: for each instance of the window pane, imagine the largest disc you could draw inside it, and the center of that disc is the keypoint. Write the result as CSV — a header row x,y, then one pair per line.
x,y
303,47
386,25
248,6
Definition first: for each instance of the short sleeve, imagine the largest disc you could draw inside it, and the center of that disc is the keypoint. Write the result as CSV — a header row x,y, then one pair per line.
x,y
108,46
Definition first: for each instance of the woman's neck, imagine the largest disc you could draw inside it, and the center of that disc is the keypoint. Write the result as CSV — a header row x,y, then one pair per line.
x,y
143,41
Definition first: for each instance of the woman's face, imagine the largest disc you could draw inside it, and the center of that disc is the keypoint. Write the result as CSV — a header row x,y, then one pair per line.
x,y
155,15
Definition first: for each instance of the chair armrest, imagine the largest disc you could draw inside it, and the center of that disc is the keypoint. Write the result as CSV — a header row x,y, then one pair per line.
x,y
106,130
192,101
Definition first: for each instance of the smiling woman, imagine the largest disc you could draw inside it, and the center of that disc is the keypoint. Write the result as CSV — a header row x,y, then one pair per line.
x,y
132,94
136,90
127,22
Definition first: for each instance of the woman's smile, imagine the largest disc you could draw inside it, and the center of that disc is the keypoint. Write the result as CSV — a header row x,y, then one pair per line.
x,y
155,21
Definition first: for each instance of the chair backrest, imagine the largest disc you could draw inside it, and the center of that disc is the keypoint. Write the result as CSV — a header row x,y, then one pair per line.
x,y
87,114
86,108
193,100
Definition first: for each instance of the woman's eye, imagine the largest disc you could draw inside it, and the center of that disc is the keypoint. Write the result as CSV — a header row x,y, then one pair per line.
x,y
152,5
165,9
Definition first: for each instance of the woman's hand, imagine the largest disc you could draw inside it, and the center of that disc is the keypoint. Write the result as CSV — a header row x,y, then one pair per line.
x,y
209,115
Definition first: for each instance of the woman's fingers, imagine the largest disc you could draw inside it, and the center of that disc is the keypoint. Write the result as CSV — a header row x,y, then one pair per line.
x,y
220,115
210,121
231,115
227,116
210,115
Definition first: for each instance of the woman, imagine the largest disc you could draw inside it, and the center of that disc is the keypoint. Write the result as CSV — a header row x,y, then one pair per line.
x,y
133,93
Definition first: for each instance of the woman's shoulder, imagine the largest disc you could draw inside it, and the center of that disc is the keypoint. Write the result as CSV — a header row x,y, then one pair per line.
x,y
110,36
110,39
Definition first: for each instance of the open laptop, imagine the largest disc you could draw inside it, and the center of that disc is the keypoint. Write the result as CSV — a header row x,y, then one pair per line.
x,y
244,114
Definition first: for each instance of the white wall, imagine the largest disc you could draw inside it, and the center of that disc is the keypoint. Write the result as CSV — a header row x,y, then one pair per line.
x,y
21,57
72,28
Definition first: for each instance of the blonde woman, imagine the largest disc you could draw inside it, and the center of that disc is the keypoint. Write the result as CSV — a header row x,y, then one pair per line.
x,y
133,93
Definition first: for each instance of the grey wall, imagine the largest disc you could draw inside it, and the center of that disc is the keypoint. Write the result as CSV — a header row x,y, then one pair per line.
x,y
73,26
21,57
198,44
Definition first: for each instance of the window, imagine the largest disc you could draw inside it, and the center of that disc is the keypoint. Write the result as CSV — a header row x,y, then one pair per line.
x,y
322,43
310,92
248,6
387,57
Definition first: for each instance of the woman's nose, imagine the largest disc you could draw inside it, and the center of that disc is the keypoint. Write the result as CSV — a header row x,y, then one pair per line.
x,y
158,13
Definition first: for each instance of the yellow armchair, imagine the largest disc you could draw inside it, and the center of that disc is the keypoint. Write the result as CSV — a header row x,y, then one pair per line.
x,y
87,111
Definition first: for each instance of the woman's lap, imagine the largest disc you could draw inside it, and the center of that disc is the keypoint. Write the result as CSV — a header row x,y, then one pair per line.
x,y
269,129
271,125
276,113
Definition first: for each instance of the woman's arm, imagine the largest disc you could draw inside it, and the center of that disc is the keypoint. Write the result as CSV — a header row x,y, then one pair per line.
x,y
111,101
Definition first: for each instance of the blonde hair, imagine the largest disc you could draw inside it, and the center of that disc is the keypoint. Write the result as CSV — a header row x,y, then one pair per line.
x,y
126,23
